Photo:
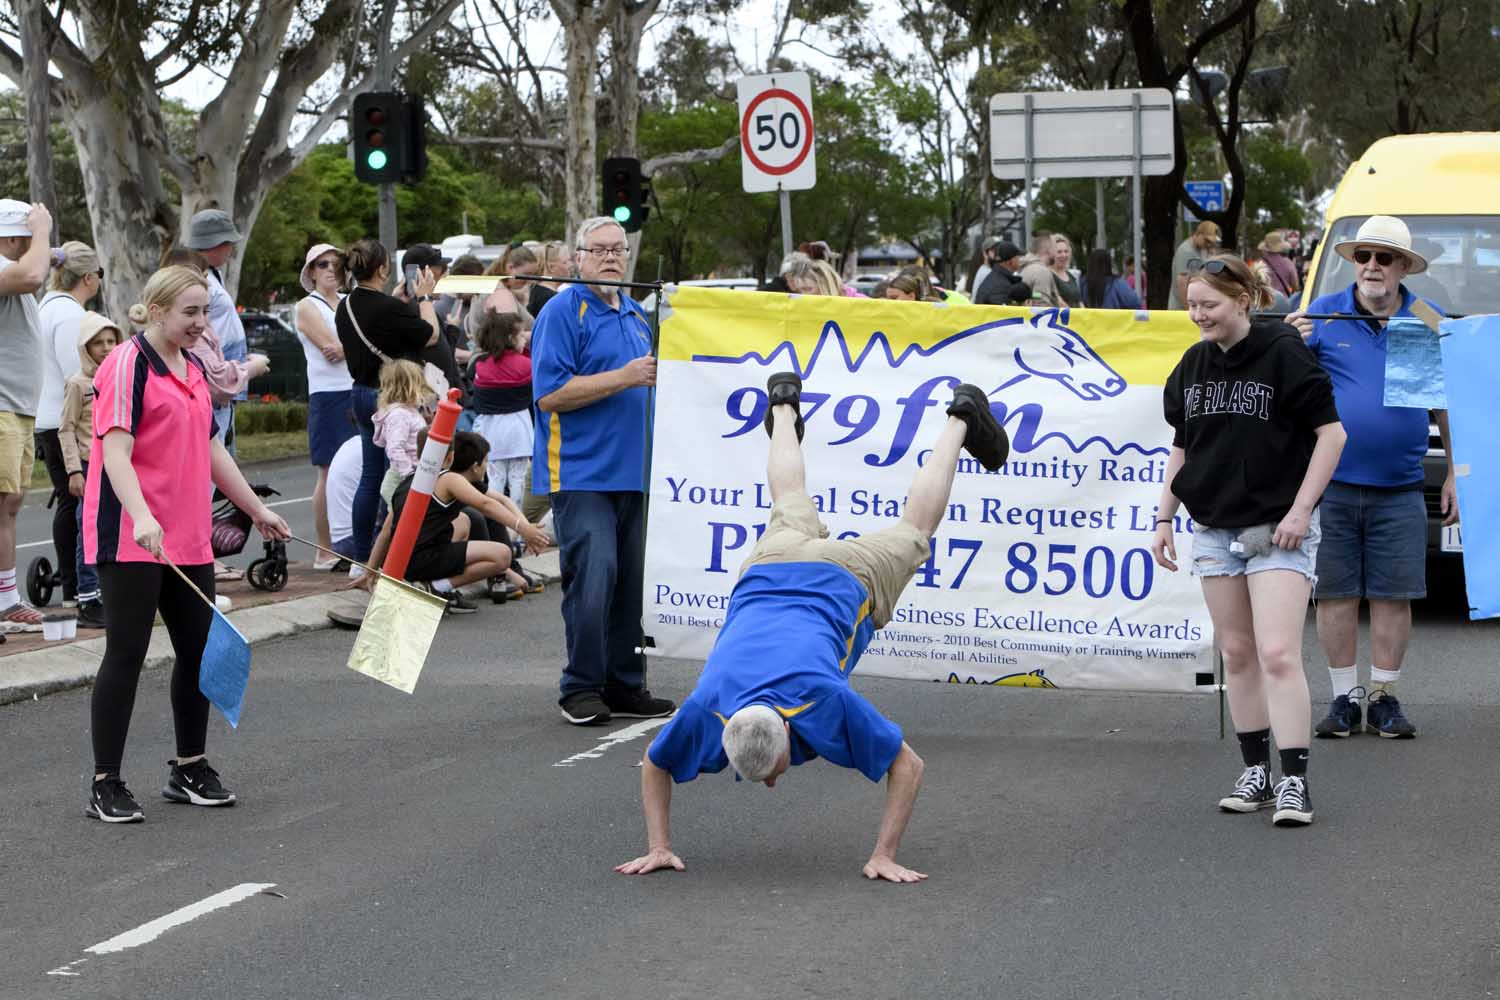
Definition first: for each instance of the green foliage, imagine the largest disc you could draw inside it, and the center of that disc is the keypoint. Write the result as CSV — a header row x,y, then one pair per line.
x,y
71,210
269,418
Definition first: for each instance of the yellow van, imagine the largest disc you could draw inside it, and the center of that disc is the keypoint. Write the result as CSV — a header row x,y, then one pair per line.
x,y
1446,188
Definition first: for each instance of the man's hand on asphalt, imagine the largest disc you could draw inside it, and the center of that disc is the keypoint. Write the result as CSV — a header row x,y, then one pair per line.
x,y
886,869
654,861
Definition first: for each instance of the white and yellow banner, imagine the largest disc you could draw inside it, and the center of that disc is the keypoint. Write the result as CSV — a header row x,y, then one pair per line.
x,y
1041,575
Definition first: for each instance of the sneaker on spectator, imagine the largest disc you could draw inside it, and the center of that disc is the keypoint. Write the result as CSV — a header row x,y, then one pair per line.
x,y
112,802
637,703
1252,791
1384,716
196,783
1342,718
20,617
91,614
585,708
1293,802
458,604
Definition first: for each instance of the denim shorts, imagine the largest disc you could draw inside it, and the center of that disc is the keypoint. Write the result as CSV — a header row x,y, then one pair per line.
x,y
1212,557
1376,544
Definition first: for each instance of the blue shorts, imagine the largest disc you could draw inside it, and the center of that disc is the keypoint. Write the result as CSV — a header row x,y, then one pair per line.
x,y
1212,556
1374,544
330,422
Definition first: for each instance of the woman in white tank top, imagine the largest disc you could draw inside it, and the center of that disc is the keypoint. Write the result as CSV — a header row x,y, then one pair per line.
x,y
329,421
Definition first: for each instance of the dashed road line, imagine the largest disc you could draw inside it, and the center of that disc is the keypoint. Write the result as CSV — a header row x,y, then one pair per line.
x,y
614,739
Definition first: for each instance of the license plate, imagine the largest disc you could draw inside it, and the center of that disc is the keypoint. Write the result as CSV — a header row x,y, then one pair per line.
x,y
1453,538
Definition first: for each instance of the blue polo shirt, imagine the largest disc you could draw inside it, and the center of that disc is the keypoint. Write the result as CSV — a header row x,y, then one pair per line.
x,y
601,446
792,636
1386,443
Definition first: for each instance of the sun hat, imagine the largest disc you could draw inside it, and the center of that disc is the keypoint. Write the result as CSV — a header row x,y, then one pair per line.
x,y
1273,243
210,228
306,278
13,217
1385,232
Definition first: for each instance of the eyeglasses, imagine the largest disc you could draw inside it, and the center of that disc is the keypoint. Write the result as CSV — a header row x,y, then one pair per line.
x,y
323,264
1208,266
1382,257
602,252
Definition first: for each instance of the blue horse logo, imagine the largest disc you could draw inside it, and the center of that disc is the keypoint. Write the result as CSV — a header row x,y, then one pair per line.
x,y
1065,358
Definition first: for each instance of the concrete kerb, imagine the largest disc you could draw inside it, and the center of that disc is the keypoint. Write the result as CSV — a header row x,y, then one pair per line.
x,y
27,676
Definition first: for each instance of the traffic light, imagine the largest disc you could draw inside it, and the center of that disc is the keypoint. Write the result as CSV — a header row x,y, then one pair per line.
x,y
378,126
414,168
625,192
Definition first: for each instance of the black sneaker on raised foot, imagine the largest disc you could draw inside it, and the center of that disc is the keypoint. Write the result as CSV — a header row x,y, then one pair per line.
x,y
112,802
784,387
1293,802
986,440
196,783
1342,718
1252,791
638,703
585,708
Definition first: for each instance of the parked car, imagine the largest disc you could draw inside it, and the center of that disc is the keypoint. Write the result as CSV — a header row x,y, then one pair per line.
x,y
275,338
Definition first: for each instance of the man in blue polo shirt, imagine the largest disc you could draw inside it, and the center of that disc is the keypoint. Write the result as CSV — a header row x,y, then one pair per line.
x,y
1373,516
775,690
592,370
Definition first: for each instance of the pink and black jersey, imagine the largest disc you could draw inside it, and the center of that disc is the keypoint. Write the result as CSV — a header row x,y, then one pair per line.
x,y
172,422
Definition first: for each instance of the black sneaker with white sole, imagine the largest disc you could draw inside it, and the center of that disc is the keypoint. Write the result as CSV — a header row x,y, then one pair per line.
x,y
637,703
1252,792
1293,802
784,388
585,708
112,802
986,439
458,604
196,783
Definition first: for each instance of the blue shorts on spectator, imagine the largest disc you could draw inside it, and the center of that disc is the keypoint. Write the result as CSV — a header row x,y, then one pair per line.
x,y
1374,544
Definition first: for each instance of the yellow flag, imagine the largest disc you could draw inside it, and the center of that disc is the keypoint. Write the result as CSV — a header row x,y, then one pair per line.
x,y
396,633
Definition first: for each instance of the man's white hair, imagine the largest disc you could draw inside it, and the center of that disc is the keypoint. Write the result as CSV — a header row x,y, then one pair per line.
x,y
587,226
754,740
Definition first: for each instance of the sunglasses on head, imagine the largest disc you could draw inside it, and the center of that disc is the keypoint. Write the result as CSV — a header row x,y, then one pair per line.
x,y
1382,257
1209,266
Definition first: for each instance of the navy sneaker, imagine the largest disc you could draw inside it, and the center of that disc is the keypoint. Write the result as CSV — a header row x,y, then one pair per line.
x,y
1343,718
1386,718
1293,802
1252,791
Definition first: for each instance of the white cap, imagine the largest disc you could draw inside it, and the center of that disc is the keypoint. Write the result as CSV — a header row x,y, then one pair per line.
x,y
13,217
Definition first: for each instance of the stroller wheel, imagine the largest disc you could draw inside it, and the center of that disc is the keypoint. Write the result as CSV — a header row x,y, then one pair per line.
x,y
40,581
267,574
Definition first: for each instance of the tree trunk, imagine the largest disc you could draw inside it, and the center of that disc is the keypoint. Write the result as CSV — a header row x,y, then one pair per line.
x,y
38,88
583,25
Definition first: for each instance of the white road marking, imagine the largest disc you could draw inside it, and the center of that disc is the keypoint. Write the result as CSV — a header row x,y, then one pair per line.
x,y
32,545
67,970
153,929
614,739
278,503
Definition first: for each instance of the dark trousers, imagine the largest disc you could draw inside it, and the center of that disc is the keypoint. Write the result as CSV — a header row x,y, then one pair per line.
x,y
603,541
363,401
64,511
133,593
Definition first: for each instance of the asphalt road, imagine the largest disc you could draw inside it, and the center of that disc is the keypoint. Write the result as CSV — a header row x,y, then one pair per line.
x,y
430,846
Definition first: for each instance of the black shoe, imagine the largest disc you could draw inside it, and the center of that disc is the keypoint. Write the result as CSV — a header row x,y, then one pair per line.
x,y
1252,792
986,440
458,604
784,387
534,583
1384,716
112,802
196,783
1293,802
585,708
637,703
91,614
1341,720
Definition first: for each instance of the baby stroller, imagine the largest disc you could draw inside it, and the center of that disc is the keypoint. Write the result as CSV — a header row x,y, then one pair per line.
x,y
231,530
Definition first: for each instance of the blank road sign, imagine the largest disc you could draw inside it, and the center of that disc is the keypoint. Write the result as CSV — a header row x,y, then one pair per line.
x,y
776,132
1088,133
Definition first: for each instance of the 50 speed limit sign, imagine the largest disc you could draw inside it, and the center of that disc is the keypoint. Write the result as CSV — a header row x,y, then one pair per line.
x,y
776,132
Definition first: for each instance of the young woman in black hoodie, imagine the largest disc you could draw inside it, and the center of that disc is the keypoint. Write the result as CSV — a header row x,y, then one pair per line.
x,y
1256,440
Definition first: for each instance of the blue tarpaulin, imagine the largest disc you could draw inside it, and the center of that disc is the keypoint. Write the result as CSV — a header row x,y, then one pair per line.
x,y
1471,370
1413,366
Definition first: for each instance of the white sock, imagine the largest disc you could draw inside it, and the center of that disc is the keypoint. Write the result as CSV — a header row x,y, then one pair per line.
x,y
1383,680
8,594
355,572
1343,679
442,586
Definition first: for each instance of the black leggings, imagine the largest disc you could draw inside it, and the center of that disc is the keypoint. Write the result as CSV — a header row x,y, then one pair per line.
x,y
133,593
64,510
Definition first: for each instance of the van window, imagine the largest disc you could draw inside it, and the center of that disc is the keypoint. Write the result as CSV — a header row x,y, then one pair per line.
x,y
1463,261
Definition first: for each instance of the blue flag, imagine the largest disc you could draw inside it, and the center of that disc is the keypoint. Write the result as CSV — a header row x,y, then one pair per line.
x,y
225,672
1471,364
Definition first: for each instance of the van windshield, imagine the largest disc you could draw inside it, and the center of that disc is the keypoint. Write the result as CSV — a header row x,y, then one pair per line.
x,y
1463,261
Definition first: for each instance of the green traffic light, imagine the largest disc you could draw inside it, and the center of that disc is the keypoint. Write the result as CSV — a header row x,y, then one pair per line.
x,y
376,159
622,213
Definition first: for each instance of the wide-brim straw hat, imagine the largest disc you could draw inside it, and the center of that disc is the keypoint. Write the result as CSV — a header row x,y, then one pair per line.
x,y
1383,232
312,255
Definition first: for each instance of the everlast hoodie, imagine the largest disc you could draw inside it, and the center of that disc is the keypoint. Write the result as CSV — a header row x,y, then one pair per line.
x,y
1245,418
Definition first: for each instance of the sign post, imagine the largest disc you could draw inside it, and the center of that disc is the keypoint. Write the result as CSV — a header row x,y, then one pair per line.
x,y
1090,133
776,139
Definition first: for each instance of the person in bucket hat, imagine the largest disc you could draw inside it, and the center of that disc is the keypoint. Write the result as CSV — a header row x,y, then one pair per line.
x,y
1374,517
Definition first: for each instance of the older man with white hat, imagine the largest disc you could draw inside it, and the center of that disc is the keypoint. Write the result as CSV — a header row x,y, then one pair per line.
x,y
1374,518
25,260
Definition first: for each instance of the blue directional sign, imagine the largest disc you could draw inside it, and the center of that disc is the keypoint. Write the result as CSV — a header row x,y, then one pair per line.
x,y
1209,194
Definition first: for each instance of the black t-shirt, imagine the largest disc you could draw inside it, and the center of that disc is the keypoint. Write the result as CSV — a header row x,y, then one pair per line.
x,y
393,326
538,298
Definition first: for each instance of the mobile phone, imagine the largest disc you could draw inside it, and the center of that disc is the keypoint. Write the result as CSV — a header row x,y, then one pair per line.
x,y
410,274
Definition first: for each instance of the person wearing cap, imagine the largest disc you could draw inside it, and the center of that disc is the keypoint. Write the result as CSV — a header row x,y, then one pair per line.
x,y
1003,285
1374,516
94,337
1283,272
330,418
213,234
443,353
25,258
1202,244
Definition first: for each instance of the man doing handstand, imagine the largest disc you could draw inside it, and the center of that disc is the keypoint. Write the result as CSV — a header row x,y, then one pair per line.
x,y
775,689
